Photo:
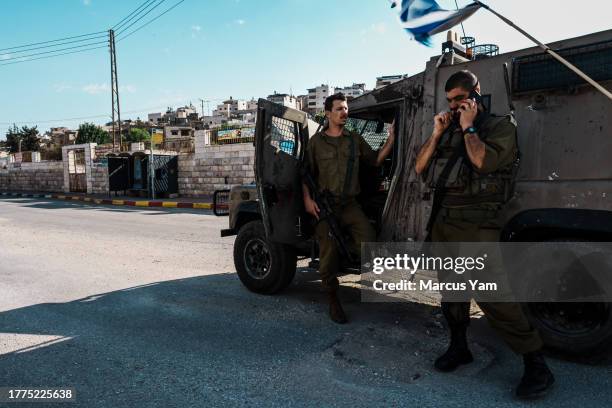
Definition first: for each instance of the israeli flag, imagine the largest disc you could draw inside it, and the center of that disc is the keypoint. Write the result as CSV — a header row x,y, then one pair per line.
x,y
424,18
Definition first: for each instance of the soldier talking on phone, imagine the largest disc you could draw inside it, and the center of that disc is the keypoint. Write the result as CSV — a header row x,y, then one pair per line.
x,y
468,149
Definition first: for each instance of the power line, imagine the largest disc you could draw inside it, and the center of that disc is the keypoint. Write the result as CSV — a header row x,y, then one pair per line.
x,y
54,45
50,41
129,15
149,22
52,51
121,26
51,56
140,17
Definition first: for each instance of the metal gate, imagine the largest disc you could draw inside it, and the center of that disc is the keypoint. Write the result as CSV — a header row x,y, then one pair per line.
x,y
77,178
118,173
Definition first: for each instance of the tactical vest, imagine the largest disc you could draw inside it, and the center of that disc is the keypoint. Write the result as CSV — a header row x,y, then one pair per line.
x,y
466,187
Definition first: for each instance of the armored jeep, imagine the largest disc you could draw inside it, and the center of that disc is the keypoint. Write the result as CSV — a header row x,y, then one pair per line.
x,y
563,190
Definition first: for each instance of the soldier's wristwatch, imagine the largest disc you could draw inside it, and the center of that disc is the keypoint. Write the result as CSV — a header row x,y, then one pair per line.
x,y
470,130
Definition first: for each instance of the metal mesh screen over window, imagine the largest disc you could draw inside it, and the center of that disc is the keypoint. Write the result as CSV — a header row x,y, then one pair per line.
x,y
284,135
374,139
538,72
367,129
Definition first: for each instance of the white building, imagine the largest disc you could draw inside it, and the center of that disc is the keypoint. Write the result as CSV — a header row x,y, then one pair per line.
x,y
317,96
155,117
388,79
352,91
231,107
284,99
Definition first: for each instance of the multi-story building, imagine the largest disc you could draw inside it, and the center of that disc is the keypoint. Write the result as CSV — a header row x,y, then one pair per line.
x,y
181,116
316,98
230,107
284,99
156,118
176,132
388,79
352,91
252,105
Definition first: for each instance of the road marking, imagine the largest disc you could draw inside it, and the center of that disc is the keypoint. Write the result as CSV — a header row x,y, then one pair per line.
x,y
205,206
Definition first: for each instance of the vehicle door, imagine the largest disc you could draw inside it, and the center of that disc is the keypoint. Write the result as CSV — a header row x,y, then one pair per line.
x,y
281,135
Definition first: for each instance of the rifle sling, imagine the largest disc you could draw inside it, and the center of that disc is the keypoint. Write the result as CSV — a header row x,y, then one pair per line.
x,y
349,170
440,187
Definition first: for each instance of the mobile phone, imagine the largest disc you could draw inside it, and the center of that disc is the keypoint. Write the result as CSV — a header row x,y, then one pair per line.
x,y
475,96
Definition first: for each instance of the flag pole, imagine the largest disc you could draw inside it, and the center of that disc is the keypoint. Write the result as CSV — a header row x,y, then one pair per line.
x,y
551,52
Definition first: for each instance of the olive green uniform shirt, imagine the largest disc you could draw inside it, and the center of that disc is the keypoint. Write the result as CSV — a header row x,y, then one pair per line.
x,y
488,186
327,159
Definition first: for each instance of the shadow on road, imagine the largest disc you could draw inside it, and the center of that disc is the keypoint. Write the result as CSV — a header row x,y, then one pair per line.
x,y
177,342
207,341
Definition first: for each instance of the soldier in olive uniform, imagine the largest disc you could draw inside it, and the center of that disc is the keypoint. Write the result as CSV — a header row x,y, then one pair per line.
x,y
473,193
333,157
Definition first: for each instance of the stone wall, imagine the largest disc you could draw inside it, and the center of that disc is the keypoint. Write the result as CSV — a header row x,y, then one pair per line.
x,y
39,176
214,168
99,177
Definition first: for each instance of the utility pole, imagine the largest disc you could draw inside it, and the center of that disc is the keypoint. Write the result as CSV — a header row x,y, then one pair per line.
x,y
202,102
115,92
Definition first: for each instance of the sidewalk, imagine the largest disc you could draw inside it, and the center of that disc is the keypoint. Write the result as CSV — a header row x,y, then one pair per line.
x,y
182,202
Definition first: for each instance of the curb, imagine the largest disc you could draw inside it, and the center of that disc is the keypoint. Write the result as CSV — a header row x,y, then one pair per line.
x,y
130,203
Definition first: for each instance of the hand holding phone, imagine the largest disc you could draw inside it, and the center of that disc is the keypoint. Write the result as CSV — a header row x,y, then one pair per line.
x,y
468,110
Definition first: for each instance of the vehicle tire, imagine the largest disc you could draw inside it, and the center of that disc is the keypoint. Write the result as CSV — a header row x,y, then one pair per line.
x,y
262,266
576,328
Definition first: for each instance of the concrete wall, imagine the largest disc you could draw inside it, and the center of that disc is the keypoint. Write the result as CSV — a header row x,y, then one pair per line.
x,y
35,177
215,167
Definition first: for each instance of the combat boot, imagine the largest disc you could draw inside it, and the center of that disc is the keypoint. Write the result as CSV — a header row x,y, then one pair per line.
x,y
537,379
336,313
458,352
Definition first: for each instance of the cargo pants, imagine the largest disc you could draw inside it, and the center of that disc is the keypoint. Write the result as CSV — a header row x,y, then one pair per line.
x,y
352,219
506,318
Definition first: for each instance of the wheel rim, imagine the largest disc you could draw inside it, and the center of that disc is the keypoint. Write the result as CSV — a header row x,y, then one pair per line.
x,y
571,319
257,259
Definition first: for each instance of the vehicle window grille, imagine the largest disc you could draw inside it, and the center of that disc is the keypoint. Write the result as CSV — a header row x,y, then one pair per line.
x,y
284,135
374,139
541,71
367,129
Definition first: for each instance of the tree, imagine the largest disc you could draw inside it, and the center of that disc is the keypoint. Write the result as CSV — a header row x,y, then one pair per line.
x,y
137,135
22,139
90,133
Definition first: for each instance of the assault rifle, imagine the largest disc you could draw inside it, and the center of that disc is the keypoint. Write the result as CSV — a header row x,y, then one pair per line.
x,y
324,201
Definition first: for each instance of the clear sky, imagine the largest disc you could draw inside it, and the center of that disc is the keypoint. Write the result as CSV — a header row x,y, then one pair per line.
x,y
213,49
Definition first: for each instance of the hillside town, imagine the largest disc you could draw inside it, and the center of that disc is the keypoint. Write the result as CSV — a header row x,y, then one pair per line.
x,y
199,136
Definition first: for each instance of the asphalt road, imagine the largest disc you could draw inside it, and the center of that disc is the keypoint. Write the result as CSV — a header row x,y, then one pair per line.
x,y
142,307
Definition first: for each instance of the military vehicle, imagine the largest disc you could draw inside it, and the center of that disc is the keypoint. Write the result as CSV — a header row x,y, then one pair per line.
x,y
563,190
